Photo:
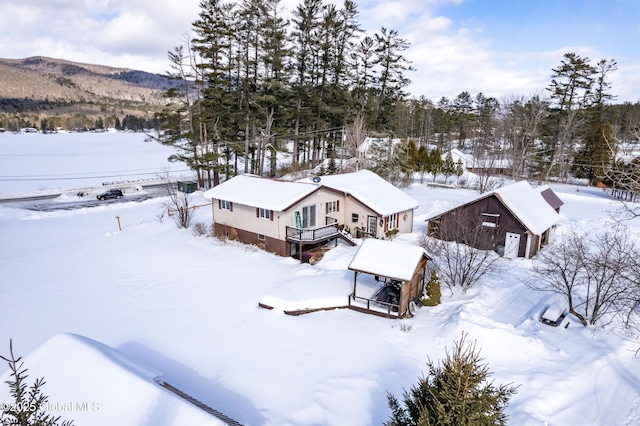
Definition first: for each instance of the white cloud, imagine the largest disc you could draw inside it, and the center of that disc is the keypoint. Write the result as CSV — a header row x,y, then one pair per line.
x,y
450,55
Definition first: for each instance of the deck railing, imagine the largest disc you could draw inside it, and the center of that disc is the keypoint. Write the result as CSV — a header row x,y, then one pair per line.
x,y
309,235
392,309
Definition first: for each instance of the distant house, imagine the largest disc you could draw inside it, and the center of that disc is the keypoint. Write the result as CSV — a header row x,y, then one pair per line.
x,y
515,220
288,217
490,165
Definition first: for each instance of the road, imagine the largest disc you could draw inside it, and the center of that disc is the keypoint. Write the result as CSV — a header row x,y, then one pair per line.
x,y
45,202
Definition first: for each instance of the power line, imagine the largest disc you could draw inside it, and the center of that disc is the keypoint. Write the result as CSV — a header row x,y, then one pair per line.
x,y
71,177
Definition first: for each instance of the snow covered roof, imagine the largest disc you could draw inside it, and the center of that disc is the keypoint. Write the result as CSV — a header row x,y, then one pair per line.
x,y
528,205
255,191
387,259
456,154
366,186
371,190
91,383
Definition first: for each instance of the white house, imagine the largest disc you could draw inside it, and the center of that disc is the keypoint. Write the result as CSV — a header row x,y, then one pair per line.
x,y
285,217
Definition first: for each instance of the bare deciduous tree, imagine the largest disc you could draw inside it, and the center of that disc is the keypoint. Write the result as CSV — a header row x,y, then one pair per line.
x,y
178,204
596,272
461,253
355,136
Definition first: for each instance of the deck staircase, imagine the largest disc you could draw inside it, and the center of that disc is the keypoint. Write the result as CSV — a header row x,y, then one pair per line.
x,y
346,237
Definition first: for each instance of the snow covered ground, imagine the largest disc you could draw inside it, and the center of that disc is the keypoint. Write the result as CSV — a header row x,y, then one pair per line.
x,y
186,308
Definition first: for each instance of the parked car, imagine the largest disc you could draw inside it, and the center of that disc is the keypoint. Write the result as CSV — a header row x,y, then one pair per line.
x,y
110,193
553,315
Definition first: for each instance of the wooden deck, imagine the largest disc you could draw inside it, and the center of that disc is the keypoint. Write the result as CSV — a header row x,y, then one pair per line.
x,y
317,235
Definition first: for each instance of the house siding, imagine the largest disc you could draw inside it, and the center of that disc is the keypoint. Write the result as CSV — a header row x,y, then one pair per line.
x,y
242,220
454,223
269,244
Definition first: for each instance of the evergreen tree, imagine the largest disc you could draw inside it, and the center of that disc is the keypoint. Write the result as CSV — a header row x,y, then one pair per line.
x,y
28,407
594,158
456,392
422,162
413,155
448,167
392,79
596,155
215,115
570,89
462,106
435,163
306,26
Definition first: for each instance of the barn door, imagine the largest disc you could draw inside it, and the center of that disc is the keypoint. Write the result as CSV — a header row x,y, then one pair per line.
x,y
511,245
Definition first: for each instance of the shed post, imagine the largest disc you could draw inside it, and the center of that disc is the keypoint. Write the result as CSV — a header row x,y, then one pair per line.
x,y
355,279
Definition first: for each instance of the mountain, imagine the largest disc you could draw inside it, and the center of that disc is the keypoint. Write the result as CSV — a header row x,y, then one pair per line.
x,y
39,83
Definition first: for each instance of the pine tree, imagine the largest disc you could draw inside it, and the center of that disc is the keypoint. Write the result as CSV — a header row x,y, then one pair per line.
x,y
448,167
28,407
570,88
456,392
596,154
422,162
435,163
392,80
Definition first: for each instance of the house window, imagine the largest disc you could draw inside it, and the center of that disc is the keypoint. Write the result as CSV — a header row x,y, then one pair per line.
x,y
490,220
354,217
264,213
391,222
332,207
226,205
261,237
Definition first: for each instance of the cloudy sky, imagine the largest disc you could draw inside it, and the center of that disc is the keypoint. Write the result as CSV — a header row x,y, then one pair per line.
x,y
499,47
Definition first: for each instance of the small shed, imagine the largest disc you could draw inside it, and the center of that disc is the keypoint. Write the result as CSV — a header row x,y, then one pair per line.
x,y
399,271
187,187
515,220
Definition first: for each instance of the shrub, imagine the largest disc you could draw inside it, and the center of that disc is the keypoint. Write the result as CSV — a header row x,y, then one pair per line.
x,y
200,230
433,291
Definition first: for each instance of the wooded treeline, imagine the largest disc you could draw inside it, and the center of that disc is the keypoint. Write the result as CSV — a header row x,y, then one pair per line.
x,y
253,81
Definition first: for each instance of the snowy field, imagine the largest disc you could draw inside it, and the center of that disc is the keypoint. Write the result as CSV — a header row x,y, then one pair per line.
x,y
186,308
